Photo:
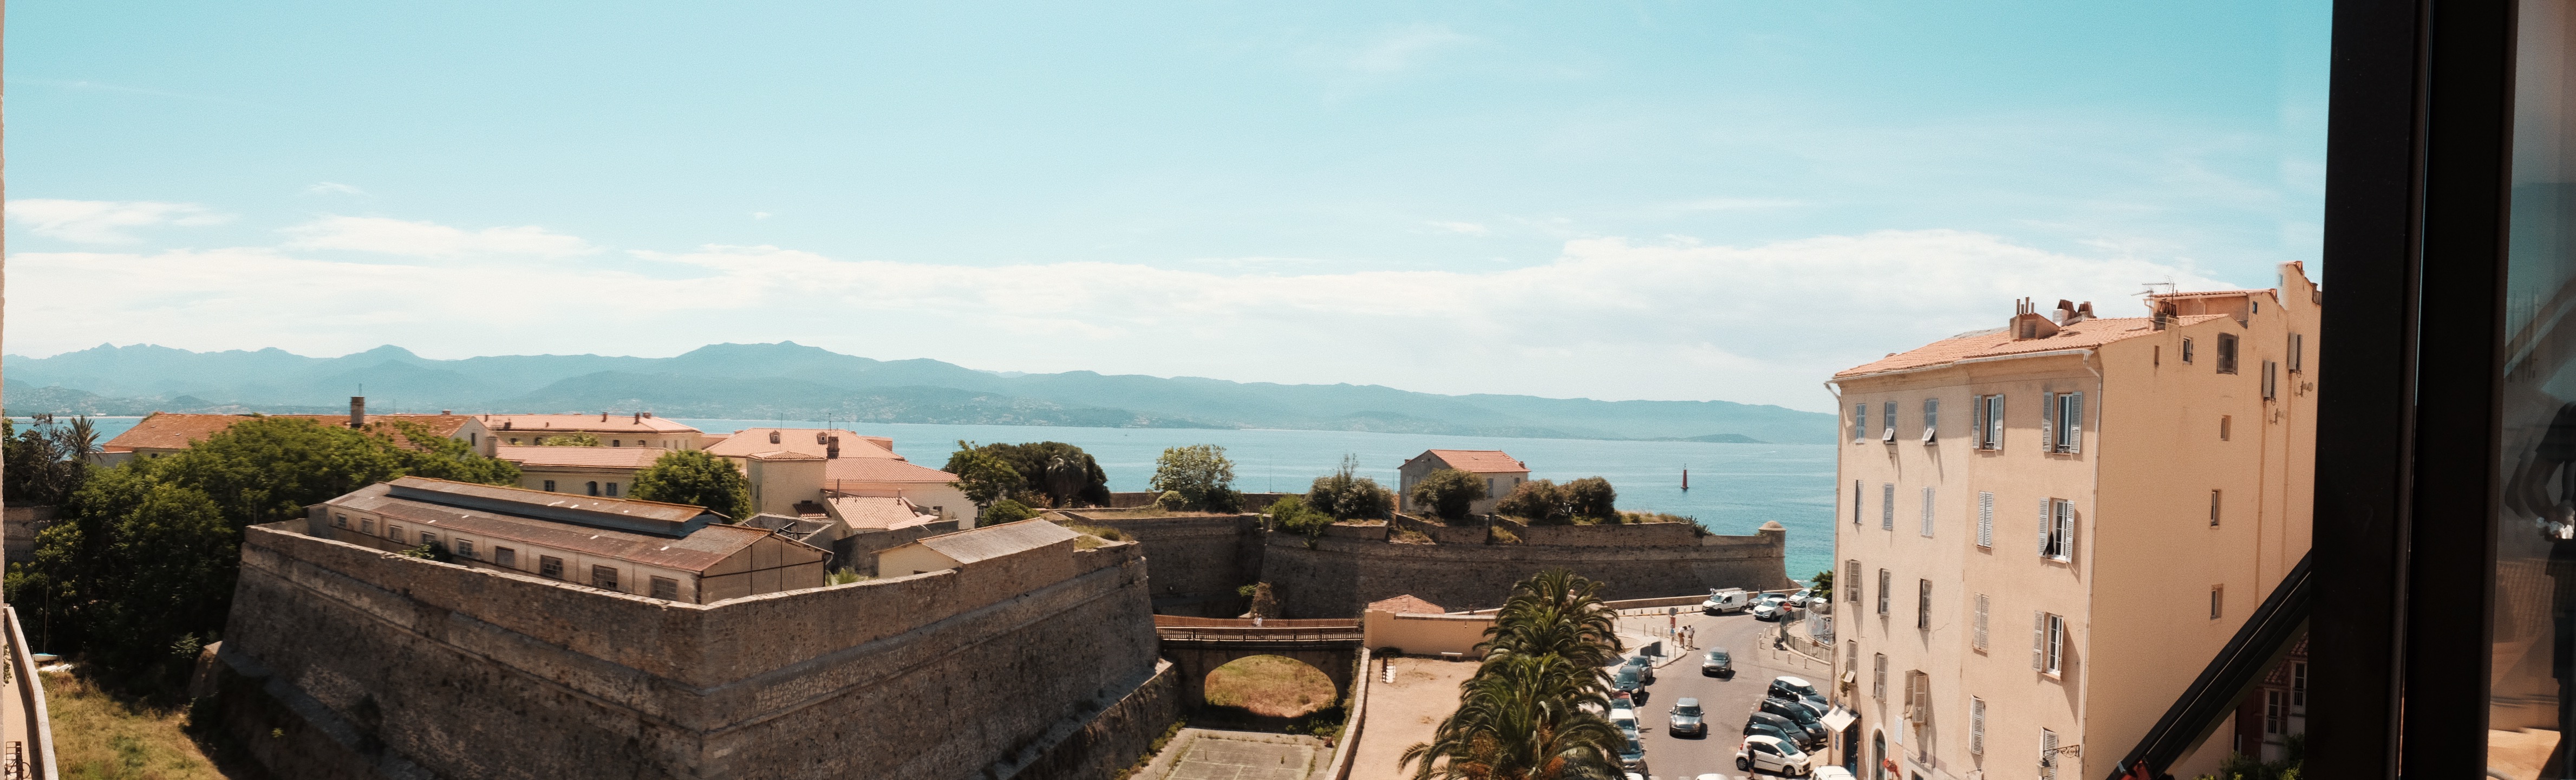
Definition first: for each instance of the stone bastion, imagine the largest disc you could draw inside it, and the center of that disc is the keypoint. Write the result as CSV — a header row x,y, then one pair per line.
x,y
343,661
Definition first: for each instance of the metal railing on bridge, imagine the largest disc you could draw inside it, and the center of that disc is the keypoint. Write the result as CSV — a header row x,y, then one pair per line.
x,y
1197,629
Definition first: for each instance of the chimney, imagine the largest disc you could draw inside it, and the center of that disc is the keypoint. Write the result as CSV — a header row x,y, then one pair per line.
x,y
773,437
603,417
357,411
445,412
832,448
2065,312
820,438
639,416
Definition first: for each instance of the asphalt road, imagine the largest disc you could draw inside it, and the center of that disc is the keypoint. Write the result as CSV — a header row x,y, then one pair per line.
x,y
1725,700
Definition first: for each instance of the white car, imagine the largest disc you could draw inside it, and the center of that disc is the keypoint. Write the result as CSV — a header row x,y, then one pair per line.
x,y
1625,719
1769,754
1831,772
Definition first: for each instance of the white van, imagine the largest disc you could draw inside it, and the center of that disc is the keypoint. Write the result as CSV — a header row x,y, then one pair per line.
x,y
1723,601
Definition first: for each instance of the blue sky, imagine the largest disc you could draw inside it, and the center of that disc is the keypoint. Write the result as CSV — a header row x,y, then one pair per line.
x,y
1650,200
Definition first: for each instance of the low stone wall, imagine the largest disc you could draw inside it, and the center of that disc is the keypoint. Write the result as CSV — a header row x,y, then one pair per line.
x,y
1249,502
1466,532
370,664
1341,571
1195,562
18,528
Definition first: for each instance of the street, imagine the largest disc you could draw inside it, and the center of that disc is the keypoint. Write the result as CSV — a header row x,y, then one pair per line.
x,y
1726,701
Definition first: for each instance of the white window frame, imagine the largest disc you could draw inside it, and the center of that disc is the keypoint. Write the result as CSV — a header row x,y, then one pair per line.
x,y
2047,754
2057,529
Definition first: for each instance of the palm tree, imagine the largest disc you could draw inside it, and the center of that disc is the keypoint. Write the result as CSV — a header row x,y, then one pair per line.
x,y
1555,612
1532,710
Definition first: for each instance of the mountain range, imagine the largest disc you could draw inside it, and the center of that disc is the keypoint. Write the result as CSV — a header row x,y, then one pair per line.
x,y
791,381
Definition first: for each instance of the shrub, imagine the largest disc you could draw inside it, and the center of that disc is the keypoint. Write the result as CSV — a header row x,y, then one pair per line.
x,y
1200,473
1291,514
570,440
1004,511
698,479
1449,492
1592,497
1171,501
1538,501
1346,495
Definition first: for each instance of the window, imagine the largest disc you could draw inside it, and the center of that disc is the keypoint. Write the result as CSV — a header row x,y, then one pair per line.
x,y
1856,502
1985,519
2299,685
617,442
2298,348
550,486
2227,353
2048,754
1878,677
505,557
2186,350
1977,638
2213,508
2226,426
1994,420
2271,380
1884,580
1923,605
2156,355
2061,422
1851,579
1976,726
603,577
1890,436
1887,506
429,539
2056,529
393,533
1860,422
612,490
366,526
339,520
1931,418
666,588
465,548
594,488
2217,601
550,567
1927,511
2047,642
2276,714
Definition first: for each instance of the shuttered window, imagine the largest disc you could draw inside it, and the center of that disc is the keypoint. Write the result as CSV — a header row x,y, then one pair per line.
x,y
2065,530
2071,419
2227,353
2047,754
2213,508
1927,511
2048,422
2038,640
1887,506
1860,422
1885,581
2271,380
1985,519
1977,421
2056,529
1923,605
1856,502
1878,677
1995,422
2298,349
1851,580
2056,641
1931,418
1976,726
1891,421
1977,638
2047,528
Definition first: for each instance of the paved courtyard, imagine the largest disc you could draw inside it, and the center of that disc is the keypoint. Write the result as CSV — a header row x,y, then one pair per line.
x,y
1219,755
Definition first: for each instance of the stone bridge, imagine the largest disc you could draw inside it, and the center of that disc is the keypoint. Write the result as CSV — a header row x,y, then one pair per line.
x,y
1197,646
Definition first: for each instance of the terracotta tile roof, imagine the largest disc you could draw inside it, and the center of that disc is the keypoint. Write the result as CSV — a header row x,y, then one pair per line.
x,y
879,513
1406,604
2215,293
695,552
615,423
589,457
881,470
745,442
174,431
996,541
1479,461
784,455
2087,334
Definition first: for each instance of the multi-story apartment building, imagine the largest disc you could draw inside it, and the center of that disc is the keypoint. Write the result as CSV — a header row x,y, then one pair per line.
x,y
2123,490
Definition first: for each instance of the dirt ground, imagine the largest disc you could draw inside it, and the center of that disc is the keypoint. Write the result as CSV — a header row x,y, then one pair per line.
x,y
1404,712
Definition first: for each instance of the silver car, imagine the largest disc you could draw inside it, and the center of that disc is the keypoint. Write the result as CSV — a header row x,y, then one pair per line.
x,y
1717,663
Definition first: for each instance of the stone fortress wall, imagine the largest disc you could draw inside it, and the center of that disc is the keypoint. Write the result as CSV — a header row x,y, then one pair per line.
x,y
374,665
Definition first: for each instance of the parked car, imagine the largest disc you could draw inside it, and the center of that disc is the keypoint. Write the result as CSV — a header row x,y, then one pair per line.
x,y
1633,756
1772,606
1645,668
1831,772
1625,719
1724,601
1619,700
1797,711
1772,755
1778,726
1718,663
1791,688
1685,718
1628,682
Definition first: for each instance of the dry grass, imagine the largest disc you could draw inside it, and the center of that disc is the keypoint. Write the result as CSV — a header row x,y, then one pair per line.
x,y
104,737
1271,686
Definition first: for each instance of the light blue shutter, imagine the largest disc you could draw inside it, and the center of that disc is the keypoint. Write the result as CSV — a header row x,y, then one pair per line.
x,y
1985,519
1927,510
2075,422
1931,417
1887,507
1891,421
1995,419
2048,422
2047,521
1860,421
2066,530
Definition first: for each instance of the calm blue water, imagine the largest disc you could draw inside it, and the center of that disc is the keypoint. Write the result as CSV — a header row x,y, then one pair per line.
x,y
1734,487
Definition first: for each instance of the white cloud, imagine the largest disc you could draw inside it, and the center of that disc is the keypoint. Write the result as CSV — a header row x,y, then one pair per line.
x,y
105,221
333,188
430,239
1608,318
1469,228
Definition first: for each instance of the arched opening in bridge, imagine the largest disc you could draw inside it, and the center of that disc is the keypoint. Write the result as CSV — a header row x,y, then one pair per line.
x,y
1270,686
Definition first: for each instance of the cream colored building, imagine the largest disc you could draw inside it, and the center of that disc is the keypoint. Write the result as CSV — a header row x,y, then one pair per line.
x,y
2047,529
633,429
1498,469
591,471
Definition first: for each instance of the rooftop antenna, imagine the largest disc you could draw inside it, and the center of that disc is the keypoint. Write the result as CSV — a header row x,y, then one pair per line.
x,y
2165,287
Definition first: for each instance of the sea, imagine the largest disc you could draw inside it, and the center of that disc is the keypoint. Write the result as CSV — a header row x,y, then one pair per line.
x,y
1734,488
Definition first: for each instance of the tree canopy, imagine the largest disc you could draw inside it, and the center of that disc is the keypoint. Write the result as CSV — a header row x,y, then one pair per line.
x,y
1047,473
139,567
696,478
1346,495
47,462
1004,511
1541,502
1448,492
1532,709
1200,473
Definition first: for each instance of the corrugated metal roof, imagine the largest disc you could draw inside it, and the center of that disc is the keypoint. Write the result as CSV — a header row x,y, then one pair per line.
x,y
694,552
996,541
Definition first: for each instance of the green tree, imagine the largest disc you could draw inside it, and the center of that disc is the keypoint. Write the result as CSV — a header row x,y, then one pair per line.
x,y
1004,511
1346,495
1263,598
1537,501
1449,492
47,462
1531,709
1292,514
575,439
1200,473
982,475
143,557
698,479
1823,585
1592,498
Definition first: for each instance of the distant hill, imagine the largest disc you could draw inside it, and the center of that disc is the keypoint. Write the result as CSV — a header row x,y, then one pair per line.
x,y
793,381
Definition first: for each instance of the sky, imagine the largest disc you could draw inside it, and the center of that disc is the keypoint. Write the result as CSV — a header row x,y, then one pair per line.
x,y
1659,200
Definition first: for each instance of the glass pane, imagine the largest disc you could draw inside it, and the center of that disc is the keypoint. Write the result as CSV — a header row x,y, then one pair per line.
x,y
2535,630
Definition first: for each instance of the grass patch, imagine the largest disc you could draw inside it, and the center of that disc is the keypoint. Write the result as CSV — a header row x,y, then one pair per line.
x,y
104,737
1408,536
1270,686
1094,536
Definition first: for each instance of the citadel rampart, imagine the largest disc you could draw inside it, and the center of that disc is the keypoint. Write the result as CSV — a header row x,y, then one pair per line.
x,y
373,665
